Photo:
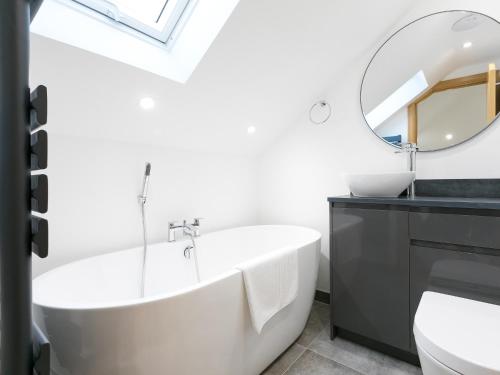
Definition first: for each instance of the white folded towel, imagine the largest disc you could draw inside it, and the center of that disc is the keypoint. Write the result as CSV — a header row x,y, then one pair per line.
x,y
271,283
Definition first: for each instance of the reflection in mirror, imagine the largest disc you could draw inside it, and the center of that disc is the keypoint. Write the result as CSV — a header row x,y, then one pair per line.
x,y
435,82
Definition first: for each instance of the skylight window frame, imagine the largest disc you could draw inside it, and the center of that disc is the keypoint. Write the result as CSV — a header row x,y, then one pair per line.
x,y
110,13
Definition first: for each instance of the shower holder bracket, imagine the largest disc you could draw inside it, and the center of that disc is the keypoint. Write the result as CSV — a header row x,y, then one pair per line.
x,y
40,236
39,193
38,107
39,144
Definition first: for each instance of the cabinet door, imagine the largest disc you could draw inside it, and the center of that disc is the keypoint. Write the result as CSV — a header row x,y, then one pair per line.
x,y
370,273
460,272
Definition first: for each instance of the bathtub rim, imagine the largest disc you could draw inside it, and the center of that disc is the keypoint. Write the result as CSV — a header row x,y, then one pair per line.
x,y
132,302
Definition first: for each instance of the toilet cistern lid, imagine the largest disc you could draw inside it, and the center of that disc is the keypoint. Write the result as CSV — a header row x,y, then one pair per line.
x,y
460,333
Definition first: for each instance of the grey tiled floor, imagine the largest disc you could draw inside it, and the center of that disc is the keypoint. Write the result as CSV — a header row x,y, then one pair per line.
x,y
315,354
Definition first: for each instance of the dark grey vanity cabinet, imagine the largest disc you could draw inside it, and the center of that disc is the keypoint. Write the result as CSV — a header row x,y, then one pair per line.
x,y
370,273
384,254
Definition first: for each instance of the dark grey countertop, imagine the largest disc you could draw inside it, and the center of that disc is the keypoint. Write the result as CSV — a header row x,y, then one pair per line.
x,y
424,201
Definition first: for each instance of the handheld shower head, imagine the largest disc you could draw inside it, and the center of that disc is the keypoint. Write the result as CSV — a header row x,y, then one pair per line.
x,y
145,183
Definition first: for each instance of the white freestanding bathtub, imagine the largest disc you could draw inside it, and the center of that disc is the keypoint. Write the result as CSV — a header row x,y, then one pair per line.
x,y
97,324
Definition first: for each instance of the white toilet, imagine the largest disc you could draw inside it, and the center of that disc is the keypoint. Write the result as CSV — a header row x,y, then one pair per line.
x,y
457,335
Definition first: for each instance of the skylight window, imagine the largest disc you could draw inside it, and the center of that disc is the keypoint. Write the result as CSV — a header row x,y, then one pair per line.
x,y
165,37
154,18
398,99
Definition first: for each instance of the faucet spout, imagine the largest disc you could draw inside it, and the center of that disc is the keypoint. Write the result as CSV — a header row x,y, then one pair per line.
x,y
411,150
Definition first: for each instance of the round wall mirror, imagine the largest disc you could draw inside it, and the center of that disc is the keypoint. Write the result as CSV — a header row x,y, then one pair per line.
x,y
435,82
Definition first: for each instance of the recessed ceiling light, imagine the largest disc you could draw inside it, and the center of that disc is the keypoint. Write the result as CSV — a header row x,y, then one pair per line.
x,y
251,129
147,103
449,137
467,45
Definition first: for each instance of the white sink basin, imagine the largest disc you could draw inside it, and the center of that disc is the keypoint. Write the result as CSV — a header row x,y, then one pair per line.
x,y
379,185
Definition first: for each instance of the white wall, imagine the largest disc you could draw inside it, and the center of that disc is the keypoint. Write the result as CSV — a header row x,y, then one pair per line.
x,y
94,183
93,188
260,76
250,76
306,165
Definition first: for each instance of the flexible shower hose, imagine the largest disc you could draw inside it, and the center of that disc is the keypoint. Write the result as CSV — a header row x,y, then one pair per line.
x,y
145,249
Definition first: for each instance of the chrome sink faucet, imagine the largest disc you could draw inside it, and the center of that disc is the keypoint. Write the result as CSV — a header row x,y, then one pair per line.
x,y
188,229
411,150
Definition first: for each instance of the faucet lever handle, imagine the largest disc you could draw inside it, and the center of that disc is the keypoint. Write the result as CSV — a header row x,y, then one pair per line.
x,y
197,220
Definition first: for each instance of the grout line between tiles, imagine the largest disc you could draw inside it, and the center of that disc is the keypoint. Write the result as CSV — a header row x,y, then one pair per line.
x,y
296,359
314,338
340,363
322,356
350,368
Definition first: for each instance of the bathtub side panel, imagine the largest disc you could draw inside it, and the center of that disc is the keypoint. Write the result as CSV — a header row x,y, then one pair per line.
x,y
199,332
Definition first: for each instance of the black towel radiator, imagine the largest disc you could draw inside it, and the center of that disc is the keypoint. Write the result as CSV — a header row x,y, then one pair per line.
x,y
23,149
